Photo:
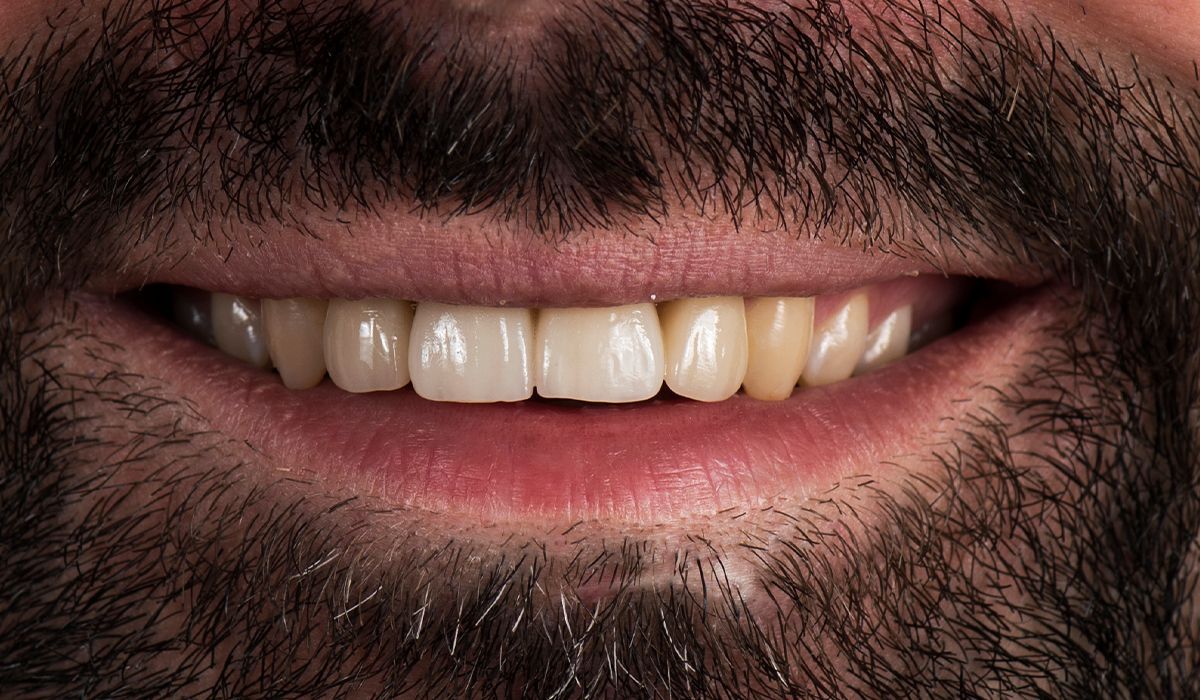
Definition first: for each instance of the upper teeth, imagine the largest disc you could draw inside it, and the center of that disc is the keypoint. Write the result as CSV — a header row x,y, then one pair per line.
x,y
705,348
606,354
838,343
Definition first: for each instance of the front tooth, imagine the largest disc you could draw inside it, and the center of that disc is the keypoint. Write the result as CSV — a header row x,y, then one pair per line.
x,y
888,341
610,355
238,328
471,354
295,337
779,330
704,341
838,343
366,343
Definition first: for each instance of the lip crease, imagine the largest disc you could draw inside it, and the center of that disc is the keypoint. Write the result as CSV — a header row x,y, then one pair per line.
x,y
647,462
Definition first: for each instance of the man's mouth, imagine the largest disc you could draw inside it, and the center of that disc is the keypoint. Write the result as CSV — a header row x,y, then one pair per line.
x,y
638,367
638,412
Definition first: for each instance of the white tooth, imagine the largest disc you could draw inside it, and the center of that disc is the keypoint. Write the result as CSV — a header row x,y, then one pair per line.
x,y
295,337
837,343
366,343
471,354
704,341
779,330
238,328
610,355
888,341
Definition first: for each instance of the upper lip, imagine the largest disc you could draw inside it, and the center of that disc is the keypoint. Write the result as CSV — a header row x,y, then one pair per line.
x,y
476,260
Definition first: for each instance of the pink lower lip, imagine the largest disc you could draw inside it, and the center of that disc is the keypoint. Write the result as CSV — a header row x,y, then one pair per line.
x,y
644,462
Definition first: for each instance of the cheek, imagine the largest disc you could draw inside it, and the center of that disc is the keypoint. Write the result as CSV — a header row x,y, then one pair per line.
x,y
1155,30
20,18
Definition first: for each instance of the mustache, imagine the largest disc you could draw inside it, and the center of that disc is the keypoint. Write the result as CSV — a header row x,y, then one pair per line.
x,y
622,112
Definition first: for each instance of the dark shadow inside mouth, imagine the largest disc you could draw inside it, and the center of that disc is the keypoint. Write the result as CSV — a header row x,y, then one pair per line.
x,y
154,299
665,395
983,297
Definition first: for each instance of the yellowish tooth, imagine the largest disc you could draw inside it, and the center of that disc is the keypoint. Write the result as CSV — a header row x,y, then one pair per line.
x,y
837,343
295,337
607,355
238,328
366,343
779,330
471,354
704,341
888,341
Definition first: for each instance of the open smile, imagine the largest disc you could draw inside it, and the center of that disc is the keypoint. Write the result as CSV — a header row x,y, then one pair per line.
x,y
608,408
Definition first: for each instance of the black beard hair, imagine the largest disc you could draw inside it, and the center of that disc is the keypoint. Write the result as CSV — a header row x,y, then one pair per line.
x,y
1067,571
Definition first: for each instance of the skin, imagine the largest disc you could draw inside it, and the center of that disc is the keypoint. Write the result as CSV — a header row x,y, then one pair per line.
x,y
1039,542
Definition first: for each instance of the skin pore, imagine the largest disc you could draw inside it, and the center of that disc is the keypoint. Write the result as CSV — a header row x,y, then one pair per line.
x,y
1040,542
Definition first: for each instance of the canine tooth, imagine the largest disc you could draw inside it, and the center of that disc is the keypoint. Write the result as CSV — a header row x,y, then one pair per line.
x,y
888,341
837,343
471,354
295,336
366,343
704,341
238,328
610,355
779,330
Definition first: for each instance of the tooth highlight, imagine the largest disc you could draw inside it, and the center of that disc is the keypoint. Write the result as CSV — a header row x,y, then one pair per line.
x,y
366,344
192,310
705,346
888,341
779,330
606,355
472,354
838,343
296,338
238,329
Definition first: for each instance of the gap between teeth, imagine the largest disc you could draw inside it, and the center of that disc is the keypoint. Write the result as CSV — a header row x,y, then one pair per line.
x,y
703,348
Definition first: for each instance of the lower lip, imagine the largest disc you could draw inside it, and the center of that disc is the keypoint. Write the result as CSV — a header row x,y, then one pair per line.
x,y
648,462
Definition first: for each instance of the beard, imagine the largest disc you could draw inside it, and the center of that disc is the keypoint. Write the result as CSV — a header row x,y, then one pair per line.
x,y
1051,552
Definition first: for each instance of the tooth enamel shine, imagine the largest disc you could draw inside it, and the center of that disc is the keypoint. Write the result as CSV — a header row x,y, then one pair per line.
x,y
705,345
779,331
472,354
838,343
238,328
606,355
295,337
366,344
888,341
